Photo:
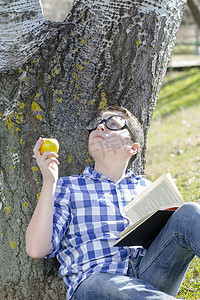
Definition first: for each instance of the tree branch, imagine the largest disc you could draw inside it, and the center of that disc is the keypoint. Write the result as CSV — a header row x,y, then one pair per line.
x,y
194,6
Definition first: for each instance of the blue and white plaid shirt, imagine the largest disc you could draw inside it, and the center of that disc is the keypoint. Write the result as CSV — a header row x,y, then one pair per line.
x,y
88,216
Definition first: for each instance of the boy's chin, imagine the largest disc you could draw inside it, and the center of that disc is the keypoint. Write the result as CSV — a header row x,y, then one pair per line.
x,y
96,152
98,155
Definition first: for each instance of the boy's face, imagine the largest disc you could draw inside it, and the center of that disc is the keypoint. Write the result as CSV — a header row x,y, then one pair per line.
x,y
105,143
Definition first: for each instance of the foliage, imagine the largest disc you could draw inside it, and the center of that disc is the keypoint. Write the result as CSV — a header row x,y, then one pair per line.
x,y
174,146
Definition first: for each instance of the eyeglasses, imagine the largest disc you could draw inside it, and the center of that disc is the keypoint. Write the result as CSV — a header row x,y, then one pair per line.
x,y
113,123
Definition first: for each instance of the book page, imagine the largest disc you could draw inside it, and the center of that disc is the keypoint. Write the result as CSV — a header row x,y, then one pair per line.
x,y
162,194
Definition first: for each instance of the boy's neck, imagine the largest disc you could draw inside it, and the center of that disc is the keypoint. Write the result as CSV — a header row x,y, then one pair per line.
x,y
114,170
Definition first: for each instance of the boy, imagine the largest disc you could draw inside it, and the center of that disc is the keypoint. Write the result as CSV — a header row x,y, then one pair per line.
x,y
78,219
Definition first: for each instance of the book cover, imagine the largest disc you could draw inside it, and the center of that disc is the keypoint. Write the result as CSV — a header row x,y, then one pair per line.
x,y
146,232
149,212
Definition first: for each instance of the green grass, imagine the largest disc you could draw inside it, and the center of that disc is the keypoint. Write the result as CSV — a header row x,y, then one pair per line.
x,y
174,146
180,90
180,49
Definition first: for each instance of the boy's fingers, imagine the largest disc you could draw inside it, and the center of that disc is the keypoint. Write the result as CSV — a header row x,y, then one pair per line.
x,y
38,144
48,154
53,160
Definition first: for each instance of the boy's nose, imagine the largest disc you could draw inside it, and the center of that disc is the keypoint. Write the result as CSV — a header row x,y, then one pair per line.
x,y
101,126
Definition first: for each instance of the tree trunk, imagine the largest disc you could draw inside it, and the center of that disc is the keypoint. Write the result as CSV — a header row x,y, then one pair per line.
x,y
194,6
54,77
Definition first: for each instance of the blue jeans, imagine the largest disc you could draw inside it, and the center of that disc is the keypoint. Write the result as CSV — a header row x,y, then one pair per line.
x,y
157,275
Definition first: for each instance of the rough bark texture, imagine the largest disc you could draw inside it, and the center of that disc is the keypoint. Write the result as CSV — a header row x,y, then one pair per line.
x,y
194,6
54,76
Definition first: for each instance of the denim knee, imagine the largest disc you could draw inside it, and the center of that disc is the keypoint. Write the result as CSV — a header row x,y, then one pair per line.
x,y
189,212
186,223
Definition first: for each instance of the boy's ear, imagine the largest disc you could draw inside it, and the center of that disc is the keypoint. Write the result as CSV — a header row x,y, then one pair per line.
x,y
134,149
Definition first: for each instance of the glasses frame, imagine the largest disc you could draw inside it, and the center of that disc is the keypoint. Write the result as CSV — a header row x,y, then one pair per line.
x,y
106,120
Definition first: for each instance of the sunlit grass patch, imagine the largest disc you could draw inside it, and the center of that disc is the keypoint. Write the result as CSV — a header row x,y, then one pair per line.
x,y
191,284
180,90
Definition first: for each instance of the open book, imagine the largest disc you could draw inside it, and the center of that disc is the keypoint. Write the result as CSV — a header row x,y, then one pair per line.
x,y
149,212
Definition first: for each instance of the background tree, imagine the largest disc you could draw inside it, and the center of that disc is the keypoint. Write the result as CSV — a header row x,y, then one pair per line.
x,y
54,76
194,6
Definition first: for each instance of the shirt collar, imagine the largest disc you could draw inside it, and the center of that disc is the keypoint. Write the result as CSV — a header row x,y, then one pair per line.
x,y
91,173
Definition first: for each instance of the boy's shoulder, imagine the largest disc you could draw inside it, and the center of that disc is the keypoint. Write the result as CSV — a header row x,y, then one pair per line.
x,y
141,179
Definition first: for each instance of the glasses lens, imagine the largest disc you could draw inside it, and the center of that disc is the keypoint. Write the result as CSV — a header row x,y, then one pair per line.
x,y
93,123
115,123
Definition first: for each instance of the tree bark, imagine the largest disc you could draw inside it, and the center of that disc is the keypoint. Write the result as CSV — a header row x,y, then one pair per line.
x,y
54,77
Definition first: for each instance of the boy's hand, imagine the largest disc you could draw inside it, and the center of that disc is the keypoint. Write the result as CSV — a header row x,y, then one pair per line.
x,y
47,162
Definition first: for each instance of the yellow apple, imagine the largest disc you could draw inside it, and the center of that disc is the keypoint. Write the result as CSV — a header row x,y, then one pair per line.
x,y
49,145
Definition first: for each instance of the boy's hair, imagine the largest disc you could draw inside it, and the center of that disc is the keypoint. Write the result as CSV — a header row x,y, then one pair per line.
x,y
133,124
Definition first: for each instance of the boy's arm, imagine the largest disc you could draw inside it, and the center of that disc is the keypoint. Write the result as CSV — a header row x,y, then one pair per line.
x,y
40,229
